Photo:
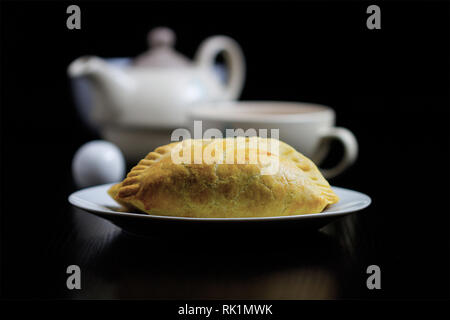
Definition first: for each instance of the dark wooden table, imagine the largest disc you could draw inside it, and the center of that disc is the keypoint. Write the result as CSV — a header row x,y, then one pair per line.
x,y
223,263
182,262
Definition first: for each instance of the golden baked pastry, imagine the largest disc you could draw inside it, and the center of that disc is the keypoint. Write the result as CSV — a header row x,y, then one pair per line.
x,y
211,188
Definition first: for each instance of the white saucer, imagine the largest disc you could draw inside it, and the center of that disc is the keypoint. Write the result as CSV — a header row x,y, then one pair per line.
x,y
96,200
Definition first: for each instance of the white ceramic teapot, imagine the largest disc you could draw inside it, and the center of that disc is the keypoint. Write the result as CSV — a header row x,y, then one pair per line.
x,y
155,91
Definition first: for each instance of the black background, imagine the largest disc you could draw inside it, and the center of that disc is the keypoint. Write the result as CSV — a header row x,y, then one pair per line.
x,y
389,86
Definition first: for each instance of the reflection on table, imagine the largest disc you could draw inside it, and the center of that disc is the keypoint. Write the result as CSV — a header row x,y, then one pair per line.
x,y
224,263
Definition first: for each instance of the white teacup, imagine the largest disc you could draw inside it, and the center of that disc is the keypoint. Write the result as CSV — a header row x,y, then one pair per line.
x,y
307,127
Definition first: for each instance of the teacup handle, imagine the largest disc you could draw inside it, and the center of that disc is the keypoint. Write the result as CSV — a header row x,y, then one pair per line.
x,y
234,58
348,140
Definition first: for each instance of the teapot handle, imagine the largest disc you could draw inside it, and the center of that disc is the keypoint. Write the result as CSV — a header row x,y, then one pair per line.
x,y
234,58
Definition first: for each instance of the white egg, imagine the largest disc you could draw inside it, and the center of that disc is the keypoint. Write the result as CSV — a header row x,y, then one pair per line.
x,y
97,162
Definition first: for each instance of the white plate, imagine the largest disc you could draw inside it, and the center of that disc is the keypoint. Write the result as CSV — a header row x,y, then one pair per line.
x,y
96,200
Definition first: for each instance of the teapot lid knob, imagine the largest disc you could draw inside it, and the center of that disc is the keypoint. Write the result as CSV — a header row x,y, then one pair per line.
x,y
161,54
161,37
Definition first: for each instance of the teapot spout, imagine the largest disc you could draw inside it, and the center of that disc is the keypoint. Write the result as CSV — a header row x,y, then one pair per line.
x,y
86,66
98,70
110,85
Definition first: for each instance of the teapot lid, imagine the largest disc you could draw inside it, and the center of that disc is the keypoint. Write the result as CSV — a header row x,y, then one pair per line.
x,y
161,41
